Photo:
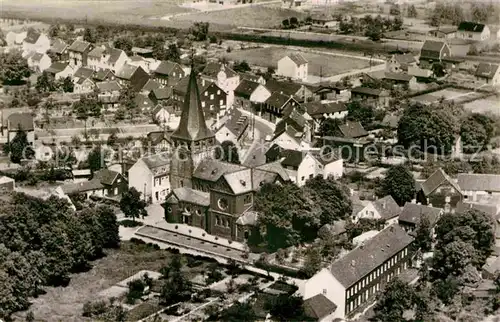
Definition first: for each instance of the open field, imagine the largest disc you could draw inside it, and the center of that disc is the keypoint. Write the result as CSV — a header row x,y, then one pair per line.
x,y
447,94
254,16
327,65
484,106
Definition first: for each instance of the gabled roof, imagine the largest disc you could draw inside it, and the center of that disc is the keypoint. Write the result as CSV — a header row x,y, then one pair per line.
x,y
297,58
250,77
286,88
156,137
387,207
143,102
445,30
435,180
486,70
77,187
479,182
102,74
166,67
97,52
470,26
20,120
364,259
32,36
114,55
56,67
108,86
79,46
162,93
490,209
318,307
127,71
36,57
432,49
318,109
151,85
278,100
192,126
398,77
58,46
237,123
367,91
212,69
293,158
246,88
157,160
106,176
192,196
275,167
405,59
83,72
352,130
212,170
412,213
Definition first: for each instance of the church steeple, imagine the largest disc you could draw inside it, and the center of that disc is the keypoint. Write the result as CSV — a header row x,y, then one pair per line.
x,y
192,127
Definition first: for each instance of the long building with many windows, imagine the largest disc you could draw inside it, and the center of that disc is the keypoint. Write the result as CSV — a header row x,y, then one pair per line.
x,y
353,281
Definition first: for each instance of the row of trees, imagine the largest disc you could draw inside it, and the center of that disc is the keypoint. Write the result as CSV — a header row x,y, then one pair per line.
x,y
46,83
371,27
13,68
291,215
449,13
42,242
463,242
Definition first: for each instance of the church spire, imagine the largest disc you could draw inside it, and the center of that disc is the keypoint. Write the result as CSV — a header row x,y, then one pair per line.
x,y
192,127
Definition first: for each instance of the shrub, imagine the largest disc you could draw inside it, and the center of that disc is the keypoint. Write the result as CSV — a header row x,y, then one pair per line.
x,y
135,290
129,223
91,309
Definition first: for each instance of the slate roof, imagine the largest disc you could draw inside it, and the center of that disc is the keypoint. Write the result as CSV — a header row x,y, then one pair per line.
x,y
56,67
250,77
156,137
435,180
318,307
237,123
276,168
212,170
20,120
151,85
432,49
77,187
412,213
193,196
298,59
126,72
102,74
490,209
470,26
166,67
318,109
398,77
367,91
79,46
286,88
246,88
364,259
213,68
162,93
352,130
58,46
108,86
143,102
32,36
36,57
486,70
293,158
277,100
106,176
387,207
157,160
405,59
83,72
479,182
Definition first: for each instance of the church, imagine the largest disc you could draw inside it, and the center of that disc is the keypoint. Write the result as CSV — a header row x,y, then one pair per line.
x,y
207,193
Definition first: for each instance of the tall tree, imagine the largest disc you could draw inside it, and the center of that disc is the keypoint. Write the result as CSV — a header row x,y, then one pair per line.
x,y
423,238
132,205
238,312
45,83
13,68
395,299
95,159
398,183
19,148
200,31
286,308
412,11
89,35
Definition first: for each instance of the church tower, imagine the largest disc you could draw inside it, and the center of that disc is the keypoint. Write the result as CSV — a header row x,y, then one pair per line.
x,y
192,141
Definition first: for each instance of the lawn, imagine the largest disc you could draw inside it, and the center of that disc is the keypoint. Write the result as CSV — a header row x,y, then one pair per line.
x,y
484,106
447,94
256,16
319,64
65,303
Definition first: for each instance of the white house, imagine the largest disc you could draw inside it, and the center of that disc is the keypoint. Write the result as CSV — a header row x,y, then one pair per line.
x,y
290,139
37,42
162,114
249,93
384,208
489,73
109,93
83,86
39,62
235,129
473,31
15,38
150,175
294,66
226,78
60,70
354,280
106,57
475,185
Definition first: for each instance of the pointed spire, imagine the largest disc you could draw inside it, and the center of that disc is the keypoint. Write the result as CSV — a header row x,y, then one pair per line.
x,y
192,126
